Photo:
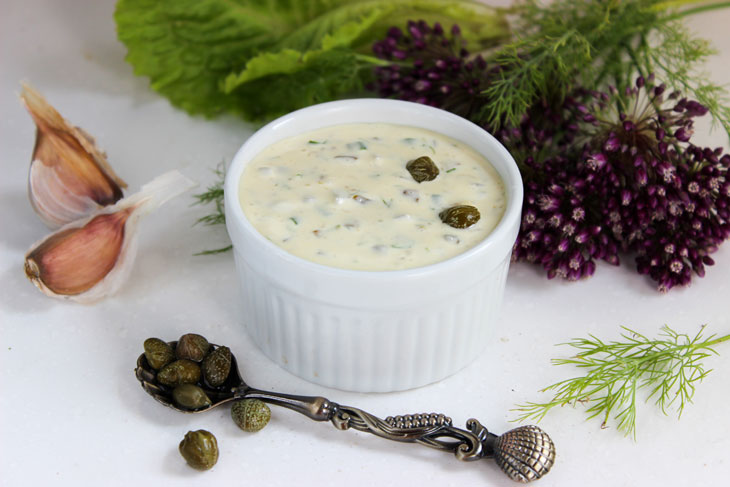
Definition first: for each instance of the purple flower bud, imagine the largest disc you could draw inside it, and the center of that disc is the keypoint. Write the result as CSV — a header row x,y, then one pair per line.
x,y
683,134
612,143
695,109
576,260
399,54
589,268
581,237
422,85
395,33
415,31
578,214
555,220
596,161
640,81
563,245
548,203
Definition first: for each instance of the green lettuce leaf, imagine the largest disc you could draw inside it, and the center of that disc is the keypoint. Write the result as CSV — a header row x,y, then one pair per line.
x,y
262,58
277,83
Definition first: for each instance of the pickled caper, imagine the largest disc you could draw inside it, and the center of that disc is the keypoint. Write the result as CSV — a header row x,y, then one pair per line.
x,y
158,353
190,396
199,449
250,414
422,169
216,366
460,216
192,347
179,372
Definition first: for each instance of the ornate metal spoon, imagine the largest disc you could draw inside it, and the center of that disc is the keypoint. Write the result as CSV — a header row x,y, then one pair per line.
x,y
525,453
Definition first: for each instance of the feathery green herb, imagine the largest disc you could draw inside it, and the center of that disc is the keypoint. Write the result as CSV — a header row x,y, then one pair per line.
x,y
214,195
587,43
668,367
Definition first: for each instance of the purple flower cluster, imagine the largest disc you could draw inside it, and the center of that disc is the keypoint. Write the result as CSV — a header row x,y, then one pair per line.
x,y
604,172
430,68
561,229
660,197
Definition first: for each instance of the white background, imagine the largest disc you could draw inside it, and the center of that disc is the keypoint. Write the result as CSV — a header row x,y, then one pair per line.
x,y
72,413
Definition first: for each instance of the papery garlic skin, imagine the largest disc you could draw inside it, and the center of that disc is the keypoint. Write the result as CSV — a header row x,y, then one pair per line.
x,y
69,175
91,258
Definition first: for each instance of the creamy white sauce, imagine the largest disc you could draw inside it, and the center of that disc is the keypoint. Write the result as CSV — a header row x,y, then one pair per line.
x,y
342,196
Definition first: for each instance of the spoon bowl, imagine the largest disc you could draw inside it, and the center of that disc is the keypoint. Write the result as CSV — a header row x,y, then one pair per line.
x,y
233,387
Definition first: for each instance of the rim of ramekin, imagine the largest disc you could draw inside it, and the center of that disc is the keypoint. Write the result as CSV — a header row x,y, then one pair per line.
x,y
236,218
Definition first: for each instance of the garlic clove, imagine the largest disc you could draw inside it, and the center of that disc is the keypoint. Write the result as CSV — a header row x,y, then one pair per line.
x,y
91,258
69,175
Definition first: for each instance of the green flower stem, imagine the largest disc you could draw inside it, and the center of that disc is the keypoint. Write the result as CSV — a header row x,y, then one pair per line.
x,y
372,60
689,11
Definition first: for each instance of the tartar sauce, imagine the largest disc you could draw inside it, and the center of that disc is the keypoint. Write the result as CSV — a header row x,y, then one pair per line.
x,y
342,196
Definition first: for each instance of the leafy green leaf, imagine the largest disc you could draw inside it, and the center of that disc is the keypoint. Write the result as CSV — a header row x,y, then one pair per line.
x,y
206,56
186,46
275,83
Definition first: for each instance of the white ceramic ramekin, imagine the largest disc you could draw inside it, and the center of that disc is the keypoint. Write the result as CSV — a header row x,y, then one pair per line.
x,y
371,331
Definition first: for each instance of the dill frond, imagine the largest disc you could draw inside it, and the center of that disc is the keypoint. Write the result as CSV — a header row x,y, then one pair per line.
x,y
668,366
571,43
214,195
676,57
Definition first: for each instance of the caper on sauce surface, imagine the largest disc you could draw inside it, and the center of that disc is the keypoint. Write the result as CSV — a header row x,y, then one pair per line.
x,y
370,196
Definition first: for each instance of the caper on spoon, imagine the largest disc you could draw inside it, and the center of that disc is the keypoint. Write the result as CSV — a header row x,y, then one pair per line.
x,y
525,453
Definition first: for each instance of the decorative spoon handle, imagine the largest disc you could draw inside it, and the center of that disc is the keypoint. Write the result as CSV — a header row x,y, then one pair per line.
x,y
526,453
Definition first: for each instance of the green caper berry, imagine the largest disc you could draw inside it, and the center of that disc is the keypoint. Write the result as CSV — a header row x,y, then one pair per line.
x,y
158,353
199,449
422,169
192,347
216,366
179,372
250,414
460,216
190,396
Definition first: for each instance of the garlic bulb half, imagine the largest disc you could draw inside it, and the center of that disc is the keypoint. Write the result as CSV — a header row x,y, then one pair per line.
x,y
91,258
69,175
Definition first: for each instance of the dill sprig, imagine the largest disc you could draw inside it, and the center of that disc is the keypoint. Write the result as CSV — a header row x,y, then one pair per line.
x,y
214,195
668,366
571,43
676,58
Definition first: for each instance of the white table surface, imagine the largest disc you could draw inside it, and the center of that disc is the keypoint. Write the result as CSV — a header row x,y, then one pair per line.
x,y
72,413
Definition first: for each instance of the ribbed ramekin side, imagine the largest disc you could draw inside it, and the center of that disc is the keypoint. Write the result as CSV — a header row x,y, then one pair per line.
x,y
368,350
